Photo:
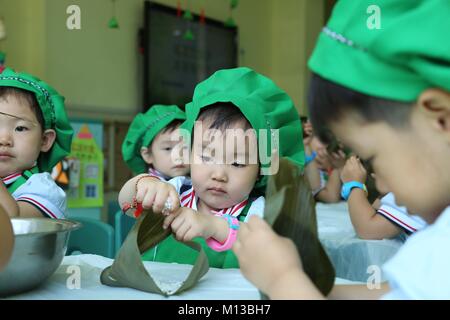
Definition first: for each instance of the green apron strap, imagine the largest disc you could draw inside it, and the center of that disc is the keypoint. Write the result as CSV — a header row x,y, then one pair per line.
x,y
244,212
22,179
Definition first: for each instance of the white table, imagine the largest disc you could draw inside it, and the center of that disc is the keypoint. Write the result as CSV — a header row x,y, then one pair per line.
x,y
350,255
220,284
217,284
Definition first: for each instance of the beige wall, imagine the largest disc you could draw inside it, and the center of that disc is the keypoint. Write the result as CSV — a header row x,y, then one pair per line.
x,y
97,68
26,34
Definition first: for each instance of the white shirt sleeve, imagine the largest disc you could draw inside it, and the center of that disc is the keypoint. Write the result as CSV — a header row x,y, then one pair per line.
x,y
41,191
257,208
323,183
400,215
420,268
178,182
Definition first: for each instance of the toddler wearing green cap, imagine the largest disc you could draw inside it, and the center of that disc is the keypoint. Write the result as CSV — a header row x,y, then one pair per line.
x,y
388,99
227,177
322,169
151,145
35,135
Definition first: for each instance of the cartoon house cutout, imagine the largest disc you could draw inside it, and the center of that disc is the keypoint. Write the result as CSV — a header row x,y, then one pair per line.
x,y
86,171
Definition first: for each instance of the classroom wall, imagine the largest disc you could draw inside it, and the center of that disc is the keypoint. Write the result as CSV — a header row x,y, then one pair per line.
x,y
26,34
98,69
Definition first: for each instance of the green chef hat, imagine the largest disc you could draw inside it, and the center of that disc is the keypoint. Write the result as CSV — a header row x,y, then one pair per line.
x,y
409,53
53,111
261,101
144,128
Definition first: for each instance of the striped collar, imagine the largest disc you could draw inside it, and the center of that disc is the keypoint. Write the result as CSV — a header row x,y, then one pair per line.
x,y
189,200
9,179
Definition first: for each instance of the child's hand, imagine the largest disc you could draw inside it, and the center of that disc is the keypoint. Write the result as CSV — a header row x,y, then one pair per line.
x,y
264,256
337,159
154,194
323,160
353,171
187,224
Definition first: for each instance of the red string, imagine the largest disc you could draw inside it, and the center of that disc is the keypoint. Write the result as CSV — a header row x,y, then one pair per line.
x,y
202,16
178,8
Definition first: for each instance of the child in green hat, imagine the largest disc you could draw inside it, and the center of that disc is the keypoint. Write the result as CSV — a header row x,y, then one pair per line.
x,y
322,169
151,145
35,135
227,177
388,99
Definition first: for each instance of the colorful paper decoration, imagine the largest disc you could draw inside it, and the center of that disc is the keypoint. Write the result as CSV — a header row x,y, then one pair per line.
x,y
188,34
113,23
179,11
202,17
230,23
85,171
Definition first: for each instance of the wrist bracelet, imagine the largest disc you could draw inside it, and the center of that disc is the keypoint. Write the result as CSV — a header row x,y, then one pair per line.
x,y
233,225
134,204
310,158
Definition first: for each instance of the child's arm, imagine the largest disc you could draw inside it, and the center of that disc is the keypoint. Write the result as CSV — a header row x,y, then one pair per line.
x,y
272,264
188,224
6,238
332,191
16,209
150,192
357,292
367,223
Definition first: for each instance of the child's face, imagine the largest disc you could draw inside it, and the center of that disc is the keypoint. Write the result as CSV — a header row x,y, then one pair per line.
x,y
223,171
166,155
412,162
21,136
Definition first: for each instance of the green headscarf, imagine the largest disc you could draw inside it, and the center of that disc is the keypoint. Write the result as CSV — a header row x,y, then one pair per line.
x,y
262,102
409,53
144,128
53,111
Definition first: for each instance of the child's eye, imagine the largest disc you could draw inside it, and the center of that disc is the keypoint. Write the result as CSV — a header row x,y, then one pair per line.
x,y
21,128
167,149
238,165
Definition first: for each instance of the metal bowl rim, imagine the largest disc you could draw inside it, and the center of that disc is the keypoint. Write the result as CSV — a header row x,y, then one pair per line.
x,y
71,226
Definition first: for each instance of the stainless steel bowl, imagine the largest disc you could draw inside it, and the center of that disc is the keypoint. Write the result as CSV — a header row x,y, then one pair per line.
x,y
40,245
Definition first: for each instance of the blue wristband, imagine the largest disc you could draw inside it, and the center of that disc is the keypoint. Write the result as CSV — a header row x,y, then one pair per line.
x,y
348,186
310,158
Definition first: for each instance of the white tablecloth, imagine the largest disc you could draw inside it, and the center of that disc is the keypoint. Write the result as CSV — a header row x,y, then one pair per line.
x,y
217,284
220,284
350,255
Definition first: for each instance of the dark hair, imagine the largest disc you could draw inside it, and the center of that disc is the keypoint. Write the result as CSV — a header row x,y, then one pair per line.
x,y
328,101
223,115
24,96
172,126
